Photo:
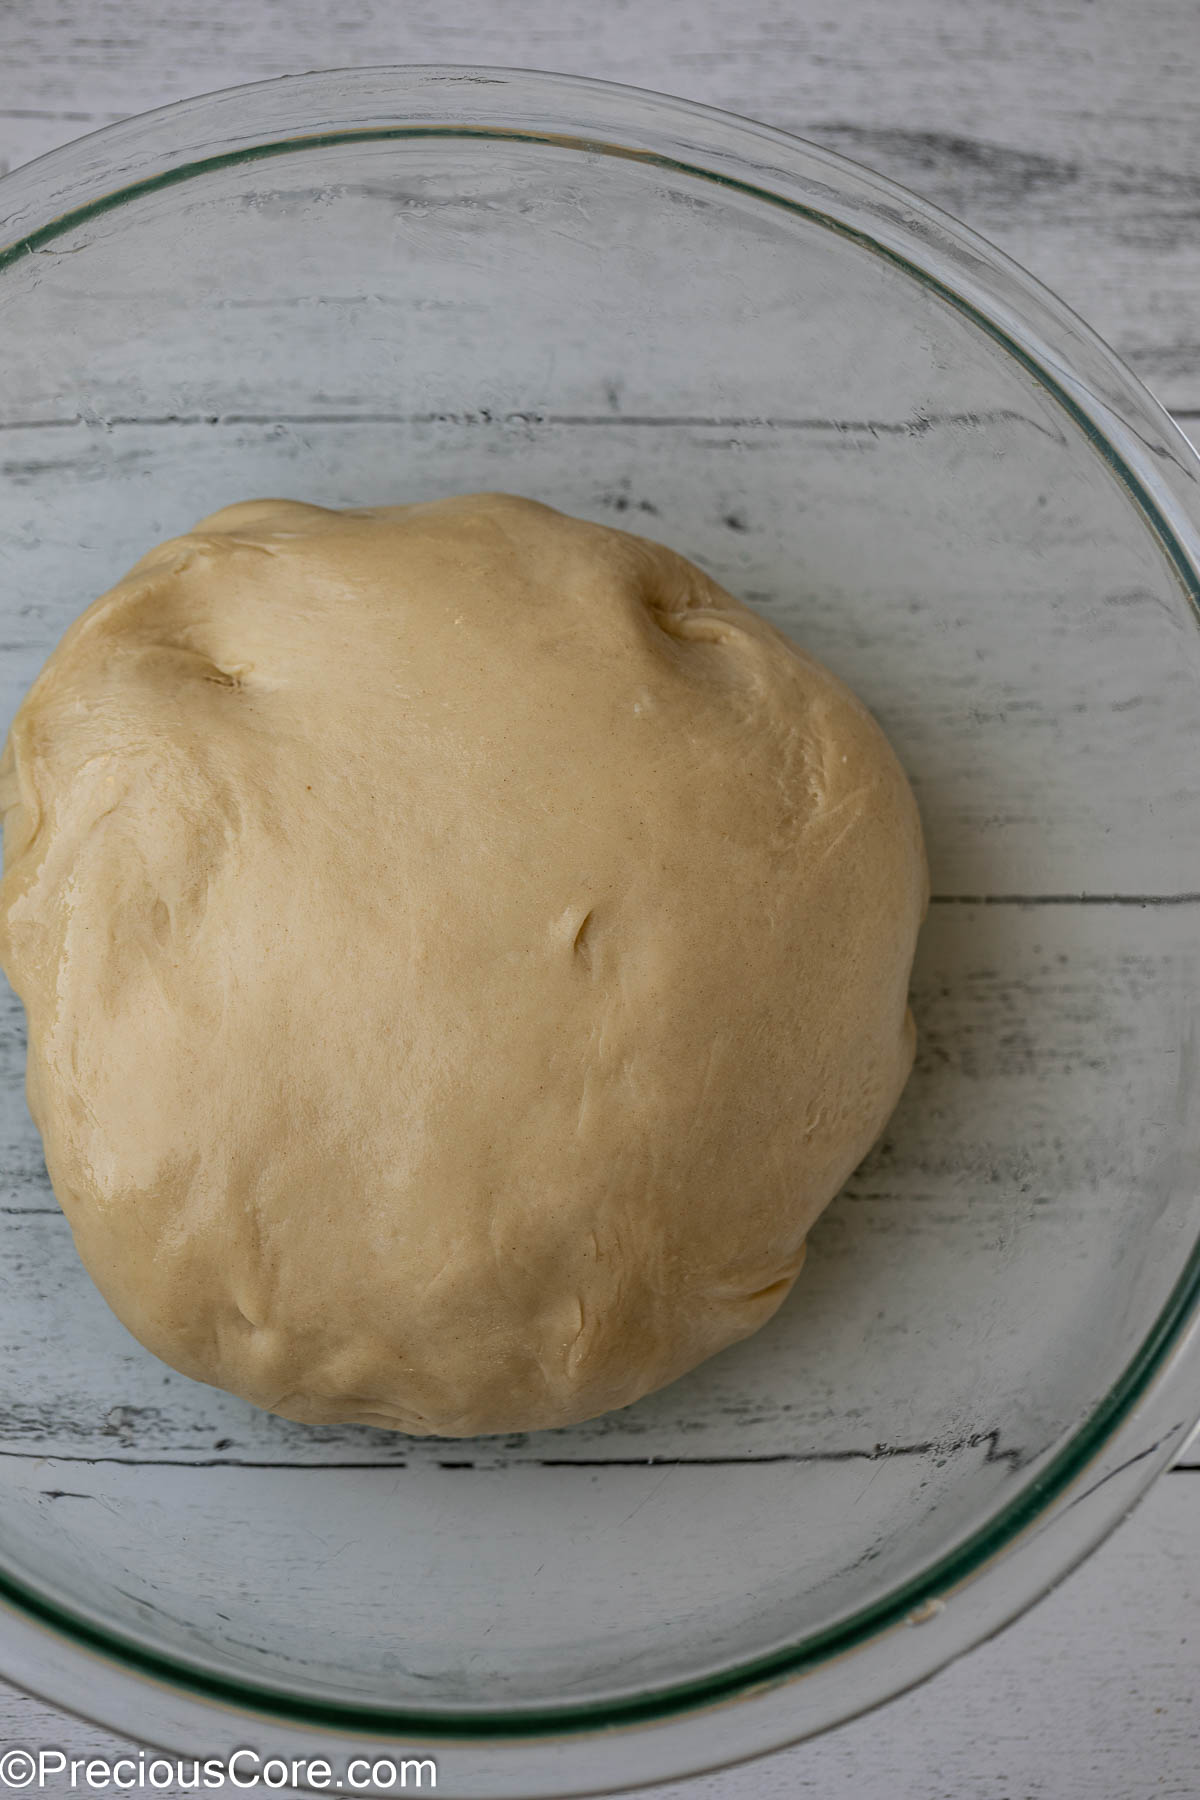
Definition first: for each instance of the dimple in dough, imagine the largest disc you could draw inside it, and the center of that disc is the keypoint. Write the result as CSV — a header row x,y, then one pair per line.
x,y
463,949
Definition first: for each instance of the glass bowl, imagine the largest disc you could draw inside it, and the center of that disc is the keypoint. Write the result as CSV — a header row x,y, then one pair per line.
x,y
386,285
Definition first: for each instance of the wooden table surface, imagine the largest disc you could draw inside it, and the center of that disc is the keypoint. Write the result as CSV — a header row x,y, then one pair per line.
x,y
1068,132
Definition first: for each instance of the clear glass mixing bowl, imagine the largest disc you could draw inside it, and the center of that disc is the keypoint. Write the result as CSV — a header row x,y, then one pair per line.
x,y
387,285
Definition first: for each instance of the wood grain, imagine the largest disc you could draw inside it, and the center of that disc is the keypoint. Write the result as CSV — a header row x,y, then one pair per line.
x,y
1067,133
1091,1696
1052,674
1066,1018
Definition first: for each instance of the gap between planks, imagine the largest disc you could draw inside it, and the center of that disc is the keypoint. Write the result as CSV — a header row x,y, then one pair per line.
x,y
1190,1462
988,1441
913,427
1186,899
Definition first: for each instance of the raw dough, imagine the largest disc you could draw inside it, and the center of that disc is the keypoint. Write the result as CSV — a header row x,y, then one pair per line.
x,y
464,949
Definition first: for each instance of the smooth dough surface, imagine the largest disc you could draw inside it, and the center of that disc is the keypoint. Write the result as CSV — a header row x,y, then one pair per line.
x,y
463,949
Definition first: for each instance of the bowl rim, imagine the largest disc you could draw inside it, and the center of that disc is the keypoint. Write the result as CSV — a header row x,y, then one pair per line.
x,y
1135,1428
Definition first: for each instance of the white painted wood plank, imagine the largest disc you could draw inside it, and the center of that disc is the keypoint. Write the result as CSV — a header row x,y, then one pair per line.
x,y
1027,1150
395,1584
1065,132
1011,1036
1037,700
1091,1696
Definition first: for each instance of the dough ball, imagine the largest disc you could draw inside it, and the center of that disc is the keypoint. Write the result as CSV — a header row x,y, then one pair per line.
x,y
463,949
